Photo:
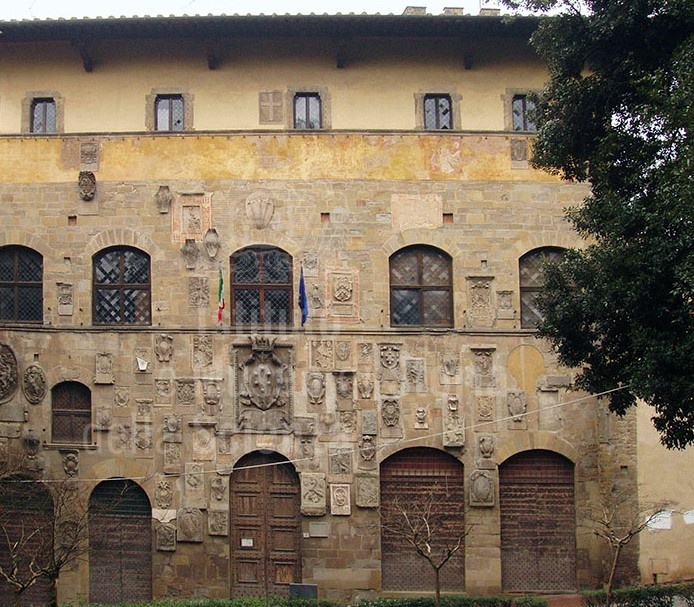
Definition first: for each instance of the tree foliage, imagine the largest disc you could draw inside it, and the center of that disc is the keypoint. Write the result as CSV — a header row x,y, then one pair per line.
x,y
617,112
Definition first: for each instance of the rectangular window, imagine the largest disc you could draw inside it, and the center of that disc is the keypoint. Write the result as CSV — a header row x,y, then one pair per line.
x,y
43,116
523,112
437,112
169,113
307,111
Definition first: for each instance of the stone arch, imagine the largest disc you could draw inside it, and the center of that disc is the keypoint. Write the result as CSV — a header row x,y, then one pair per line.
x,y
547,441
117,237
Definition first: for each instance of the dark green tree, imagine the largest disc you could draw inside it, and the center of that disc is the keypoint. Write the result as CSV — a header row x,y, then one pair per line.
x,y
618,113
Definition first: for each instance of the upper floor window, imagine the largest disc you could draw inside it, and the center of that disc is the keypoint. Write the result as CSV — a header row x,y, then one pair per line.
x,y
523,113
437,112
44,116
421,287
21,284
530,268
307,111
169,114
71,406
122,287
261,286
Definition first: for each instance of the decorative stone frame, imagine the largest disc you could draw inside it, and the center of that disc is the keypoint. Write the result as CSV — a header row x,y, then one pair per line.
x,y
325,105
507,100
150,103
27,102
456,99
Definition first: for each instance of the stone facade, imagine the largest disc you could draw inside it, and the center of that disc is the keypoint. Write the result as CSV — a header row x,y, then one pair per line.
x,y
179,400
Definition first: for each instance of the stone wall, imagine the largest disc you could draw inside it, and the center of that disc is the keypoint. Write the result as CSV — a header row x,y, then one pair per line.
x,y
171,401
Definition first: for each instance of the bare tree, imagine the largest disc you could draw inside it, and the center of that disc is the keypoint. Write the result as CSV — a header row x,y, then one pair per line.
x,y
44,529
431,525
618,520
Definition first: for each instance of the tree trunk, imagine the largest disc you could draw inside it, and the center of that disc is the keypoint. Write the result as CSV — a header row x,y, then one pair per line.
x,y
53,592
613,573
437,587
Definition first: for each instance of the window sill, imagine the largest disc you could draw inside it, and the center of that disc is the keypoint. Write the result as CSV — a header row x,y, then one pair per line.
x,y
63,446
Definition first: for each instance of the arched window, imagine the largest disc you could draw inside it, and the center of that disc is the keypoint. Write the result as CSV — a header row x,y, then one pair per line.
x,y
21,284
421,287
261,286
122,287
71,405
531,279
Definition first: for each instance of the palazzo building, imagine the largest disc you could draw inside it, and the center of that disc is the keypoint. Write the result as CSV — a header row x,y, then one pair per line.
x,y
275,275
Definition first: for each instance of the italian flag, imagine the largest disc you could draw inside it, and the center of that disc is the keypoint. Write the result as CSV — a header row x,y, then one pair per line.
x,y
220,297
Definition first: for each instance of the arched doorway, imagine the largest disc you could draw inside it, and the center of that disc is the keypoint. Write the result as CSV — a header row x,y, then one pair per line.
x,y
26,534
538,523
265,526
120,543
410,479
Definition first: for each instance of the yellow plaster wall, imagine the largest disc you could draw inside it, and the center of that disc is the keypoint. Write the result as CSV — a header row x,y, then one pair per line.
x,y
375,89
665,476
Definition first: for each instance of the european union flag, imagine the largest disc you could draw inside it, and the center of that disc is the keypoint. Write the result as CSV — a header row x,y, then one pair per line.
x,y
303,300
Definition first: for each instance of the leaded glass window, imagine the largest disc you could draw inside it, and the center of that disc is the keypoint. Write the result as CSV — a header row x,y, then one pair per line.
x,y
523,113
261,286
437,112
169,113
530,268
421,292
21,284
122,288
71,405
43,116
307,111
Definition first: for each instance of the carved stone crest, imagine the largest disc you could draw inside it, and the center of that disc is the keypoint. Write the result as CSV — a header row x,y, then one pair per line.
x,y
104,369
165,534
259,209
390,412
8,373
86,183
163,347
34,384
340,500
313,495
482,488
163,198
264,393
163,494
365,387
315,388
189,522
212,396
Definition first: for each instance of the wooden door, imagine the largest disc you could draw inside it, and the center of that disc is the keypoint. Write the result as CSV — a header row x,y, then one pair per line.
x,y
538,523
120,543
265,526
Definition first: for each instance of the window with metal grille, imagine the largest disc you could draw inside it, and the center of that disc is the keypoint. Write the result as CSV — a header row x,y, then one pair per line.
x,y
437,112
261,286
523,113
122,289
307,111
21,284
71,406
43,116
421,287
169,113
531,279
